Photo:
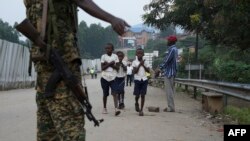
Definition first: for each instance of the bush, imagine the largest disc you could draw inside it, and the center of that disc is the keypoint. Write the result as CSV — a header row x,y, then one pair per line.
x,y
242,115
232,71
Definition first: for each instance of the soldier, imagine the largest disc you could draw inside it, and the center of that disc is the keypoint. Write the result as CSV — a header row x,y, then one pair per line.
x,y
61,117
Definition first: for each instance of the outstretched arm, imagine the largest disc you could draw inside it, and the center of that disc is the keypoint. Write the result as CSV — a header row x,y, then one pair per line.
x,y
91,8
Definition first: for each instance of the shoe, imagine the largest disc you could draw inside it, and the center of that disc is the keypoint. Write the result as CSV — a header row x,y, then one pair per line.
x,y
137,109
168,110
105,111
121,106
141,113
117,112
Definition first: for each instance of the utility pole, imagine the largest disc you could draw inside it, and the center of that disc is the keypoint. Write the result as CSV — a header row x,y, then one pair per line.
x,y
200,5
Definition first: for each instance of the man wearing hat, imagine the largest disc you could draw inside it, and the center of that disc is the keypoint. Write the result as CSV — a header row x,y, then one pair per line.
x,y
169,67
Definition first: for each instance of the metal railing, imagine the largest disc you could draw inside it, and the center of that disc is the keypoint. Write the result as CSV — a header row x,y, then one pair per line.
x,y
237,90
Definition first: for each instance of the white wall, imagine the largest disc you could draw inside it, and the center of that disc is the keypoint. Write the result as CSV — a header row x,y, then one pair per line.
x,y
88,63
14,63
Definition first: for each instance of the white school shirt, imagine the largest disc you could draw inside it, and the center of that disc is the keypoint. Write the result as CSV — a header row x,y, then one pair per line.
x,y
141,74
121,73
129,70
109,74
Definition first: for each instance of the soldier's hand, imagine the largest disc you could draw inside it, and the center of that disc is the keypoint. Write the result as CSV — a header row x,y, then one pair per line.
x,y
119,25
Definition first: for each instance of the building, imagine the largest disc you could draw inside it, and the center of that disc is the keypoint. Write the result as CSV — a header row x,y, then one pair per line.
x,y
148,57
138,36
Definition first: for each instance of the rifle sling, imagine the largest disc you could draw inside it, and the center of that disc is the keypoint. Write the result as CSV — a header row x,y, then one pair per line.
x,y
44,18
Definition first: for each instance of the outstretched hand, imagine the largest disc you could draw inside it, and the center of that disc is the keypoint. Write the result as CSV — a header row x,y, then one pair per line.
x,y
119,25
91,8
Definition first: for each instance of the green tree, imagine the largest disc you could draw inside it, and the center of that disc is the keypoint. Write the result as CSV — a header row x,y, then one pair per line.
x,y
168,31
220,21
95,40
111,36
8,33
82,33
232,66
92,39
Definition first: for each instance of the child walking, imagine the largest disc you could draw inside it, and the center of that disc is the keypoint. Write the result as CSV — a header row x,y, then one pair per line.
x,y
129,74
120,79
109,67
140,67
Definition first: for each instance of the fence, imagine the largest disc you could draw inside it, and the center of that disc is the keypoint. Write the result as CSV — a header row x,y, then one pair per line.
x,y
237,90
14,63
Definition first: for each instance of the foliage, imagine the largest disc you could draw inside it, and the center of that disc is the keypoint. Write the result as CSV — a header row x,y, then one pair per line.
x,y
187,42
92,39
242,115
158,44
157,62
168,31
223,24
219,62
82,33
8,33
232,71
220,21
232,65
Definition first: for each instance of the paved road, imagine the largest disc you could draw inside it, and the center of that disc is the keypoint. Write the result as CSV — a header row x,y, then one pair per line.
x,y
18,119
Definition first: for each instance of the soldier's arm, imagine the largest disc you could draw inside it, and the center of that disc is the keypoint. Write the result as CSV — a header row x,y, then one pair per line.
x,y
93,9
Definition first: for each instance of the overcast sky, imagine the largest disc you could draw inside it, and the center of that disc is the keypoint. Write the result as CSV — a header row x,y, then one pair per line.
x,y
130,10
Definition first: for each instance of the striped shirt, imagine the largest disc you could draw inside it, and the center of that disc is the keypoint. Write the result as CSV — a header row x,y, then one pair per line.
x,y
169,65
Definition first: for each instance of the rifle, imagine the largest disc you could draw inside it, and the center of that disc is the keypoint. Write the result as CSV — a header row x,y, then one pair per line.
x,y
61,71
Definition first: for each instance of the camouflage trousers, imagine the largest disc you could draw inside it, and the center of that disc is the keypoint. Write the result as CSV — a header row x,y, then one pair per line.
x,y
60,118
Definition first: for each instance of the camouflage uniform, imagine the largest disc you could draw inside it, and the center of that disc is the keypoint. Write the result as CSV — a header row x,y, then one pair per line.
x,y
60,117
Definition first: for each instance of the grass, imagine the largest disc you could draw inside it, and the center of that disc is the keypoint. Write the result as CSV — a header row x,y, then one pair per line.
x,y
178,89
241,115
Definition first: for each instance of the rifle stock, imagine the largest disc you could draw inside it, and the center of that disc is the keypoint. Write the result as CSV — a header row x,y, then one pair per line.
x,y
28,30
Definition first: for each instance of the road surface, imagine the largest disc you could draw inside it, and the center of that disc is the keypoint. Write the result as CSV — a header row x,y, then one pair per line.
x,y
18,118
